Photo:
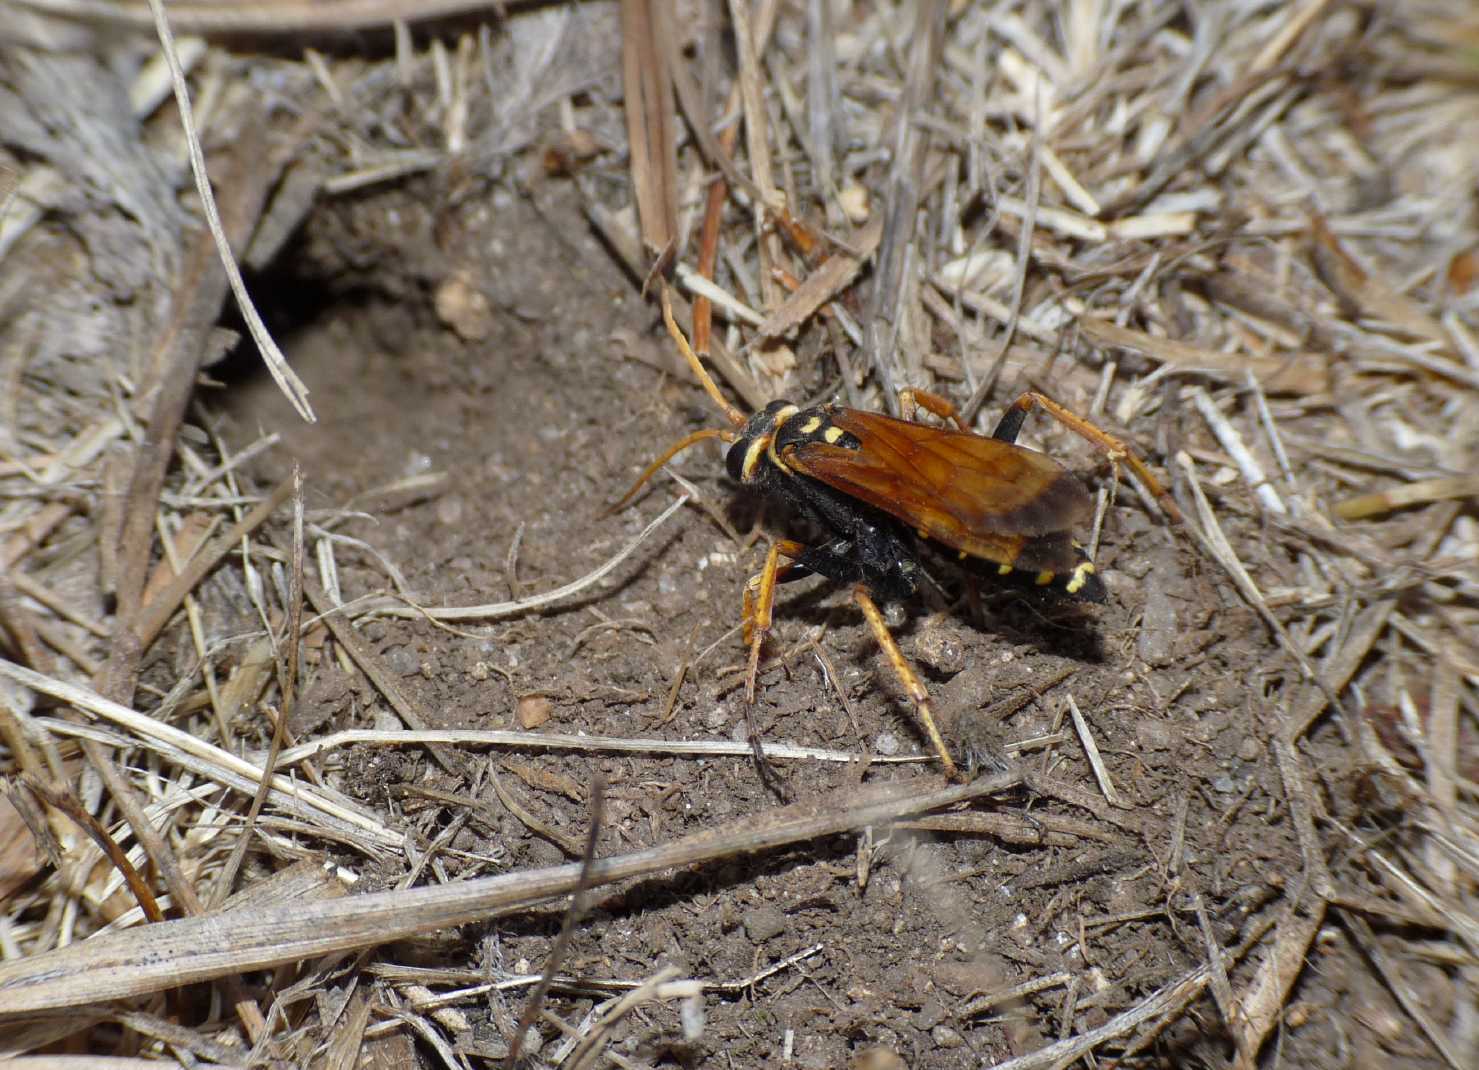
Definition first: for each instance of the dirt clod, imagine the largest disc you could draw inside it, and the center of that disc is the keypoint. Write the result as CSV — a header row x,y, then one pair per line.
x,y
763,923
533,711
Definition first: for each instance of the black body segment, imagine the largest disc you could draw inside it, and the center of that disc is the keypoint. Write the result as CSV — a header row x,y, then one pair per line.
x,y
866,545
872,482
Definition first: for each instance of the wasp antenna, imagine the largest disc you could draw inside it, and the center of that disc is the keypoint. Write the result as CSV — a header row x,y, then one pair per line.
x,y
735,416
668,454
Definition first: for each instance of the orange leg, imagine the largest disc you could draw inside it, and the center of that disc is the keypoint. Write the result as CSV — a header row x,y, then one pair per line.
x,y
906,676
911,400
759,604
1114,448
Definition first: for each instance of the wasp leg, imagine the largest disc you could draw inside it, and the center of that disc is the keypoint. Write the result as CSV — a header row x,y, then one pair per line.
x,y
1115,449
911,400
907,677
759,603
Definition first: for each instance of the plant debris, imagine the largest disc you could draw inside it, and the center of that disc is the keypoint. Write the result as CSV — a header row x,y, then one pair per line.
x,y
1236,816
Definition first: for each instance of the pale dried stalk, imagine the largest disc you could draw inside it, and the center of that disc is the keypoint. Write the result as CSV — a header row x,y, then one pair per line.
x,y
173,953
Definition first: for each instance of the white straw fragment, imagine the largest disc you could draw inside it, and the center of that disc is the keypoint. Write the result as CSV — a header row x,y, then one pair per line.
x,y
388,608
1091,750
696,284
287,380
140,724
1237,449
701,748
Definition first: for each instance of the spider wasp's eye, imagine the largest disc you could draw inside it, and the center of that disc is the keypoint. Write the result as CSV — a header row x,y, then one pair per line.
x,y
734,459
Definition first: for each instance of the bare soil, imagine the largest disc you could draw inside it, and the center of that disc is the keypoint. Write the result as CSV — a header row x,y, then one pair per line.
x,y
1243,236
549,416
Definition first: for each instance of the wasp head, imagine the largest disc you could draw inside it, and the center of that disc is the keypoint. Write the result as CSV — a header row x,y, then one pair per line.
x,y
754,444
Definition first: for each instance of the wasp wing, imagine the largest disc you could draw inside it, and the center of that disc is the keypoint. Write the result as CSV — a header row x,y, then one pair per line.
x,y
982,496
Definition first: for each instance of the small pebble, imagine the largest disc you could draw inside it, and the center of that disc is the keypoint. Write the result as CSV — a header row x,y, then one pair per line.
x,y
1248,750
940,646
928,1016
887,744
403,660
533,711
878,1059
1154,734
945,1037
464,308
762,923
449,510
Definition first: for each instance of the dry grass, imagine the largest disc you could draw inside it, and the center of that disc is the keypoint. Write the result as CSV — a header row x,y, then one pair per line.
x,y
1244,235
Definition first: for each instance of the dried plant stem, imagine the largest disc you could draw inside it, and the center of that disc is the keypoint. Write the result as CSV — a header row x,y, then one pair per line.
x,y
495,610
134,962
287,380
148,727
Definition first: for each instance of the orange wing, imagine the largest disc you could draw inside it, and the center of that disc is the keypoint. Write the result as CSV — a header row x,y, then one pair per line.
x,y
982,496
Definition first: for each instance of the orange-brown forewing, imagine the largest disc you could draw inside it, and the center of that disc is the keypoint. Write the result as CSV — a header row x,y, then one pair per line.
x,y
985,497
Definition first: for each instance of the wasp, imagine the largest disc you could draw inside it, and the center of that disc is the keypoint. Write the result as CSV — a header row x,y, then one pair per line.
x,y
873,482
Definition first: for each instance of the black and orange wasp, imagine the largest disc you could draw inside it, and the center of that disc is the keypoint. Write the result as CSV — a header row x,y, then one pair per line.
x,y
871,481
